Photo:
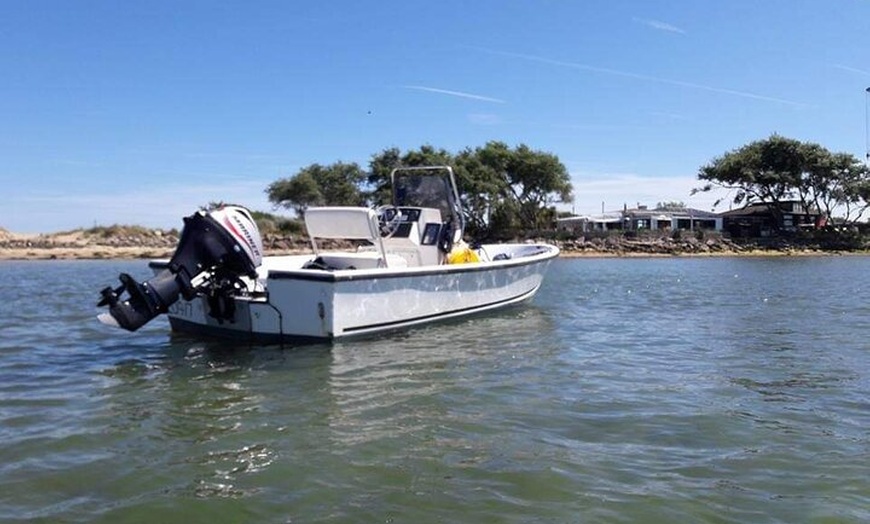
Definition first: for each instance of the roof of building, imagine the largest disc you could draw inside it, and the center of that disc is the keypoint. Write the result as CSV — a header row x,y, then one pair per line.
x,y
658,214
606,217
663,214
763,208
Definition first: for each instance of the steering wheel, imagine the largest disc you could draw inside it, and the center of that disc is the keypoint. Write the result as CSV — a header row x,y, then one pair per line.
x,y
389,218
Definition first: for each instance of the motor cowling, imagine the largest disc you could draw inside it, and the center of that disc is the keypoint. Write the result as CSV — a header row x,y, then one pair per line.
x,y
223,243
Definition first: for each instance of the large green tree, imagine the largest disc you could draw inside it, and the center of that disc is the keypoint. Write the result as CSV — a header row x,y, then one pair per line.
x,y
840,182
504,191
338,184
777,169
481,188
531,181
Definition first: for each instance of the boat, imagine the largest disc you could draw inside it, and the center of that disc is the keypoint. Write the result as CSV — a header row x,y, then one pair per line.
x,y
369,271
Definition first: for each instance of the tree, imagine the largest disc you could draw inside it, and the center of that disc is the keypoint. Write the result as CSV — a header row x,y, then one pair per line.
x,y
481,191
671,206
777,169
533,180
380,167
840,181
298,193
504,222
338,184
503,191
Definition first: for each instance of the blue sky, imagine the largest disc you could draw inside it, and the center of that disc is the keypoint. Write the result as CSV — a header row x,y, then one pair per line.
x,y
140,112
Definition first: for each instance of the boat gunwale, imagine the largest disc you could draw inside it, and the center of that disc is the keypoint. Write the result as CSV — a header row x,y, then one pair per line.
x,y
342,275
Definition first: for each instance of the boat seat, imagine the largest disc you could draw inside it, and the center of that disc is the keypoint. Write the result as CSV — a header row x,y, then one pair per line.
x,y
345,223
357,223
362,260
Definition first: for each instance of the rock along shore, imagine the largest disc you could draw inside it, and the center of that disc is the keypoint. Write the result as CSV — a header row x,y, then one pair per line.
x,y
140,243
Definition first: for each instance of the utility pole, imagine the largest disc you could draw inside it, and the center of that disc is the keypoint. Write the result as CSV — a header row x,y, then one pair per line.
x,y
867,125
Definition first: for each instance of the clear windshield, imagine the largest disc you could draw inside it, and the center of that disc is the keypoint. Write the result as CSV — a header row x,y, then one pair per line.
x,y
418,190
428,187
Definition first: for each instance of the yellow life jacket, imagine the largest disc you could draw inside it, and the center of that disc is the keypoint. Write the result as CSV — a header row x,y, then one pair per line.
x,y
462,254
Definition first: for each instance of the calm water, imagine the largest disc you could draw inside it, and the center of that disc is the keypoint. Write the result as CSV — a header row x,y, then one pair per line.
x,y
660,390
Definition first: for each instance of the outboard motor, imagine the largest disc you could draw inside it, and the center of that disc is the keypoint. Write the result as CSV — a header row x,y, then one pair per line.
x,y
214,248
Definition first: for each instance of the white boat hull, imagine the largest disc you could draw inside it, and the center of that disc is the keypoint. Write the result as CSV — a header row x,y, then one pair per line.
x,y
314,304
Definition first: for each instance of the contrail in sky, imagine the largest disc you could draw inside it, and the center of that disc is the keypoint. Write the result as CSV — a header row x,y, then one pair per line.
x,y
460,94
852,69
637,76
661,26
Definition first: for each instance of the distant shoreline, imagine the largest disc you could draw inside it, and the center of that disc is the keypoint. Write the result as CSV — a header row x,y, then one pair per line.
x,y
132,243
100,252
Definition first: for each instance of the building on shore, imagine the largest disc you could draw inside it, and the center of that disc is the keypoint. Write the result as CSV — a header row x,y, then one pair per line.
x,y
642,218
764,220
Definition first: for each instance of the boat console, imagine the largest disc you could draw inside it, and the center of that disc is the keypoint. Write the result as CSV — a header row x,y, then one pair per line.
x,y
416,234
425,218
